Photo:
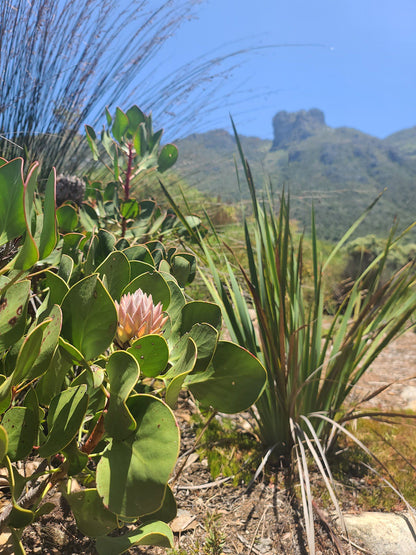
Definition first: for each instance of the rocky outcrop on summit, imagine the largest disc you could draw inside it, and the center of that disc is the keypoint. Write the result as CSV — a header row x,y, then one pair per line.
x,y
292,127
340,170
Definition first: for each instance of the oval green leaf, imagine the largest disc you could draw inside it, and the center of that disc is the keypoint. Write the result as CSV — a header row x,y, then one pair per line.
x,y
183,366
154,533
89,317
139,252
51,382
28,353
21,427
65,416
116,268
49,341
48,235
66,265
57,287
120,124
92,518
29,253
232,382
123,373
12,217
152,353
167,157
132,474
67,218
200,312
129,209
137,268
153,284
13,310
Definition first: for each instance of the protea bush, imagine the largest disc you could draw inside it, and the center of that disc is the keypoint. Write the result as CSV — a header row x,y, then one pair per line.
x,y
79,406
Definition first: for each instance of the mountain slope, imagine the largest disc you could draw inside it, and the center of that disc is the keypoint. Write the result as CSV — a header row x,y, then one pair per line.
x,y
403,142
340,170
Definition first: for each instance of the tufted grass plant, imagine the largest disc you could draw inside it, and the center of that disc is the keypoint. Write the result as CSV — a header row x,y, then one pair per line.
x,y
62,63
311,367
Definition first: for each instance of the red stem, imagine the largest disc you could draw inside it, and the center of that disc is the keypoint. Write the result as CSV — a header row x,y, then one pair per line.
x,y
126,186
128,173
95,436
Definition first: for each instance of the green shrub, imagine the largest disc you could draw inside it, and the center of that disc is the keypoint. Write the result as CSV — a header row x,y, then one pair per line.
x,y
96,342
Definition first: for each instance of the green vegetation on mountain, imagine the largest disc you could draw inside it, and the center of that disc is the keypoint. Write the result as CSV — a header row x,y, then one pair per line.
x,y
404,142
340,170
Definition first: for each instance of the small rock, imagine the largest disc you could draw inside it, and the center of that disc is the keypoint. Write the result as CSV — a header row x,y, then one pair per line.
x,y
382,533
263,545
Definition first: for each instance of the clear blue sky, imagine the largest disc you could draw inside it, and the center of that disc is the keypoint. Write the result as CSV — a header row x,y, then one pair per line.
x,y
362,73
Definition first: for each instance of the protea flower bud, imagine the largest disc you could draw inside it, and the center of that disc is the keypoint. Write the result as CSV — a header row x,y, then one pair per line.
x,y
69,187
138,316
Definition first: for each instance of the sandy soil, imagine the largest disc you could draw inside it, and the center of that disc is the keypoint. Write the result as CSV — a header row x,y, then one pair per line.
x,y
396,366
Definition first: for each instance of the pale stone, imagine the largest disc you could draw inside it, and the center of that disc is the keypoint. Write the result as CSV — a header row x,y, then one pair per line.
x,y
383,533
264,546
408,394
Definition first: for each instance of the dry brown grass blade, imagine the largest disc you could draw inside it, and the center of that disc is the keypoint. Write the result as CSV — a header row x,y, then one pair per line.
x,y
305,485
328,528
372,394
372,414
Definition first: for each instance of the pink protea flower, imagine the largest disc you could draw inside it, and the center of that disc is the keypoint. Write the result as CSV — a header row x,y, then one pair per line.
x,y
138,316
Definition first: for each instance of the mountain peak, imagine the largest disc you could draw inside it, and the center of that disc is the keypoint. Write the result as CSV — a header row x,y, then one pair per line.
x,y
292,127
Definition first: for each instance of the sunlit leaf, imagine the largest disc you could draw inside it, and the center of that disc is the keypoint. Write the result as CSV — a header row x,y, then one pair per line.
x,y
13,310
116,268
132,474
67,218
152,353
153,284
12,217
167,157
120,124
154,533
232,382
89,317
48,236
123,373
65,416
21,426
129,209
